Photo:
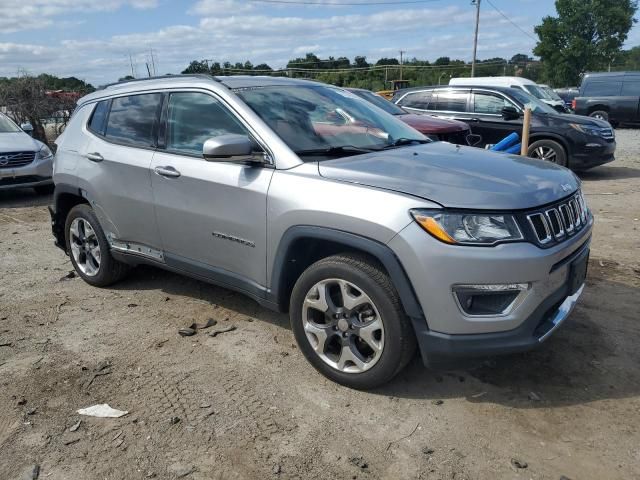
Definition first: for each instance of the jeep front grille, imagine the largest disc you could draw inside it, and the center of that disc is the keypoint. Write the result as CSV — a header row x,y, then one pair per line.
x,y
16,159
559,221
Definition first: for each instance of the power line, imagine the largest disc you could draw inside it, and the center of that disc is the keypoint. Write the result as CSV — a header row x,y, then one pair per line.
x,y
511,21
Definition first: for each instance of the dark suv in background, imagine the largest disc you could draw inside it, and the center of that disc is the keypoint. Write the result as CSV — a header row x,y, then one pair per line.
x,y
611,96
573,141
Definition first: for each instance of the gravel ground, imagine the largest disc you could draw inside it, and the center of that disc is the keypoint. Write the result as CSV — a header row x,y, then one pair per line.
x,y
245,404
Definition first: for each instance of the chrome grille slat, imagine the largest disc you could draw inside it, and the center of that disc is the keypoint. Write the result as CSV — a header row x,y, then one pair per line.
x,y
560,221
16,159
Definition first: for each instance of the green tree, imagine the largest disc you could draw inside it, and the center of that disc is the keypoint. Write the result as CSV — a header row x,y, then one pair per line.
x,y
587,35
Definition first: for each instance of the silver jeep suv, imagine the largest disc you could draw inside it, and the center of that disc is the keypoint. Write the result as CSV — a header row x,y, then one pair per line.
x,y
312,201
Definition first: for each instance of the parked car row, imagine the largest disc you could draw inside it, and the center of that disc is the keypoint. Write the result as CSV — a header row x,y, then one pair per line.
x,y
494,112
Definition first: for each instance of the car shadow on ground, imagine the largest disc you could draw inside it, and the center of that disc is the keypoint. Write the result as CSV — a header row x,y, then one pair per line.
x,y
609,173
23,197
593,357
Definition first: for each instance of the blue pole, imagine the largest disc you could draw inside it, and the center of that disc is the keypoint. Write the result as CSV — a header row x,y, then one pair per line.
x,y
506,142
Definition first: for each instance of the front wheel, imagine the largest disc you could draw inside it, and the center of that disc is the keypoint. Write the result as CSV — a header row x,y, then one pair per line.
x,y
89,250
349,323
600,115
548,150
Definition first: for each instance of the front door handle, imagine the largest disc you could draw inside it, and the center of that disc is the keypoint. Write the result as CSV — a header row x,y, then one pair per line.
x,y
95,157
473,119
167,172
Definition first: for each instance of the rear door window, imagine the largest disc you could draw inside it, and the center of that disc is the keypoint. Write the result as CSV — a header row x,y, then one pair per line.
x,y
419,100
488,103
195,117
602,89
449,102
631,88
99,117
133,120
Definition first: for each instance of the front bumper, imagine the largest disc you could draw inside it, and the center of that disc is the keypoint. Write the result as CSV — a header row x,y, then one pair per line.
x,y
37,173
592,154
445,332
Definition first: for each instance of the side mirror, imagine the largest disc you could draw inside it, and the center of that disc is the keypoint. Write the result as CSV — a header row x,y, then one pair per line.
x,y
510,113
27,128
230,148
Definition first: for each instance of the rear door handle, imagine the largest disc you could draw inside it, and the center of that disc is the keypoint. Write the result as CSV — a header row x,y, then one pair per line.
x,y
95,157
167,171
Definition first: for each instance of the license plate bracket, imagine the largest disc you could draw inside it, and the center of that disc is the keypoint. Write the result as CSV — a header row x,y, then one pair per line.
x,y
578,272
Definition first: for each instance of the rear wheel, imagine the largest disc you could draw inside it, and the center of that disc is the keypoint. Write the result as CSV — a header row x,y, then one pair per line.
x,y
89,250
349,323
600,115
548,150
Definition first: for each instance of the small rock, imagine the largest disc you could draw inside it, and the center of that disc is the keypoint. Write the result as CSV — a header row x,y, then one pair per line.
x,y
187,332
174,420
22,401
562,477
132,305
68,276
180,470
75,426
151,475
519,463
359,461
427,450
437,402
32,411
276,469
205,405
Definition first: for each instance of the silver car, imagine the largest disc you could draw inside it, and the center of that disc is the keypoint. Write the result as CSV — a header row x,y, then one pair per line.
x,y
310,200
24,161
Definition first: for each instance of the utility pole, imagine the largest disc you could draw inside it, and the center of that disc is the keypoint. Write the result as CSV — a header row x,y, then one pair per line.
x,y
131,63
402,52
475,36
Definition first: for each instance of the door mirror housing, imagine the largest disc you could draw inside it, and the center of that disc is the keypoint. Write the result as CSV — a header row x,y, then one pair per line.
x,y
231,148
510,113
27,128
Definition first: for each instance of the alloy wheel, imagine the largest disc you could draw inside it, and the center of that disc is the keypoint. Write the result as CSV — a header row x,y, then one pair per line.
x,y
343,325
544,153
85,247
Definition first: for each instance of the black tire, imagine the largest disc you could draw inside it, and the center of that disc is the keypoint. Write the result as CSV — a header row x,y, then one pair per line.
x,y
399,339
539,146
44,189
109,270
601,114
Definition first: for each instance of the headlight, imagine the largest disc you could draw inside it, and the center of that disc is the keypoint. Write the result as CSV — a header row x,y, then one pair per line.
x,y
45,152
468,228
587,129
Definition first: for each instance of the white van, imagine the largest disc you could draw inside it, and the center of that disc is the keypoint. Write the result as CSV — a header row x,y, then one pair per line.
x,y
525,84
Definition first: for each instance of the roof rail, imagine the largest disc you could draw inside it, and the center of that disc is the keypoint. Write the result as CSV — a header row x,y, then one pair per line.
x,y
160,77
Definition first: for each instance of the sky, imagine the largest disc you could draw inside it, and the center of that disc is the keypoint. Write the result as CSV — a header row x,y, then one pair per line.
x,y
95,39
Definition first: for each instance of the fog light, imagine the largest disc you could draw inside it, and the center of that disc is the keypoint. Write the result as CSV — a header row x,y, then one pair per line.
x,y
486,300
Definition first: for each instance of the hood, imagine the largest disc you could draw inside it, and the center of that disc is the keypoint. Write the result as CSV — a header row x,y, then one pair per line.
x,y
17,142
457,177
582,120
428,124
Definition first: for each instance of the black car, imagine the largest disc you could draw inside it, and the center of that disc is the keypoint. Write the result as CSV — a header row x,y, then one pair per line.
x,y
611,96
574,141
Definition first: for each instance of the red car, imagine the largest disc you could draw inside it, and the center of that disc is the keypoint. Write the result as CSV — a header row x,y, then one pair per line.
x,y
435,128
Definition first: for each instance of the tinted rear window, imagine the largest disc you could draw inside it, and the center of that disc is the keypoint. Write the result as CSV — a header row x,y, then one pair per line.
x,y
449,102
99,117
132,119
631,88
418,100
602,89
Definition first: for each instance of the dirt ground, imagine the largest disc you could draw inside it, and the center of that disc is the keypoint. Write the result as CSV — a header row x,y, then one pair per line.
x,y
245,404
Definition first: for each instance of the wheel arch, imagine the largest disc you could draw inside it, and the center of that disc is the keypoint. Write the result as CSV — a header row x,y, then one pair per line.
x,y
65,197
593,108
301,246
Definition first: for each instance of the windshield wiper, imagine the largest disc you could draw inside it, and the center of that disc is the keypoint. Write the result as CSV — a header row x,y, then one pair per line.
x,y
340,150
406,141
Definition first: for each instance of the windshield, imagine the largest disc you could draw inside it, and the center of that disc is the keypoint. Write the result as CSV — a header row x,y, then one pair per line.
x,y
551,94
536,91
7,126
532,102
312,119
379,102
